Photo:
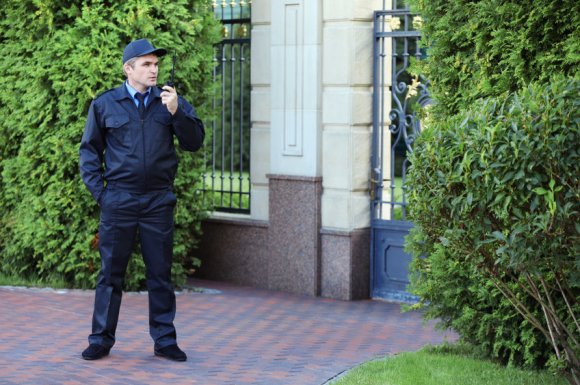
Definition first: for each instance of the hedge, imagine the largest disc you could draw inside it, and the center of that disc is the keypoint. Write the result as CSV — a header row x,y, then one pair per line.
x,y
486,48
493,183
495,199
55,57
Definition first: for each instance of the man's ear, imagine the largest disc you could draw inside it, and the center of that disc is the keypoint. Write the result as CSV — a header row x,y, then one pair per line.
x,y
127,67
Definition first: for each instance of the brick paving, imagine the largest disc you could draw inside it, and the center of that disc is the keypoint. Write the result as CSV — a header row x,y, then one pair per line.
x,y
233,336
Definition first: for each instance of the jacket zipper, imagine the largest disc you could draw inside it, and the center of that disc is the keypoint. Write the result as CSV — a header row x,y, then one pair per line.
x,y
143,148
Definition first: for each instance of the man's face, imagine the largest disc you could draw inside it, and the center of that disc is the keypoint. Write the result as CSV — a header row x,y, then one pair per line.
x,y
143,74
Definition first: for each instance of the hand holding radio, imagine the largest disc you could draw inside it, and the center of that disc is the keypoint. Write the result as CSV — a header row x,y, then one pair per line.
x,y
169,99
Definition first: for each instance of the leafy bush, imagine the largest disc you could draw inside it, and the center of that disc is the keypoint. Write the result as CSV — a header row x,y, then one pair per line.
x,y
495,197
488,172
55,57
455,293
488,47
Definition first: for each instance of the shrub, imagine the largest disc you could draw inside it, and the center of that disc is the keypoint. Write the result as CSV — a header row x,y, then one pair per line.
x,y
495,197
55,57
489,47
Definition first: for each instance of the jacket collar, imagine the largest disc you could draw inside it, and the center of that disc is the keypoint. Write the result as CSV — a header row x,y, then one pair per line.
x,y
121,92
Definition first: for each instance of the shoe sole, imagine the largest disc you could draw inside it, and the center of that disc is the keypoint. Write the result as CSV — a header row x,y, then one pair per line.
x,y
89,358
170,358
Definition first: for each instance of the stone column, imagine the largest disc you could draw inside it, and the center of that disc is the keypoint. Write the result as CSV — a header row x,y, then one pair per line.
x,y
295,146
347,122
260,134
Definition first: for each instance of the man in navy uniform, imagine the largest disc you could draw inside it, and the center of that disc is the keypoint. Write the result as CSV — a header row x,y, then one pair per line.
x,y
128,163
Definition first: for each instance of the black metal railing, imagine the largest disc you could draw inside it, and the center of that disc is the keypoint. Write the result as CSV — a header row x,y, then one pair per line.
x,y
227,176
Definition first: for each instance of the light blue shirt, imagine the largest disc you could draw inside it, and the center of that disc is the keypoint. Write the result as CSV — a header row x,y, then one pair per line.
x,y
133,91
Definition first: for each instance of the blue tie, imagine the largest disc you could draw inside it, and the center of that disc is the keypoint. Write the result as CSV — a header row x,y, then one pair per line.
x,y
141,98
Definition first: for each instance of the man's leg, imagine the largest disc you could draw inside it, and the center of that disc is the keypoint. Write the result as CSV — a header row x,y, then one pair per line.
x,y
156,233
116,239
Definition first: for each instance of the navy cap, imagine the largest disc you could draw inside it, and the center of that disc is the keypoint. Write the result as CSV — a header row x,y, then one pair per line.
x,y
141,47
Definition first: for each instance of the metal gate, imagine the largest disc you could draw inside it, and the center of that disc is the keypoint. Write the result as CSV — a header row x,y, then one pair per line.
x,y
397,97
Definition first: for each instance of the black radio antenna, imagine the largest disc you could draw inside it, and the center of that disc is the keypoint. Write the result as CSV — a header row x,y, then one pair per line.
x,y
171,83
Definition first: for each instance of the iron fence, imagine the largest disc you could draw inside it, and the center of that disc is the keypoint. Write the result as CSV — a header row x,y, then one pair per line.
x,y
227,176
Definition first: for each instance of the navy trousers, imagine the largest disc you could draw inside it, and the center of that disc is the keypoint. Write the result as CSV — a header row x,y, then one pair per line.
x,y
123,214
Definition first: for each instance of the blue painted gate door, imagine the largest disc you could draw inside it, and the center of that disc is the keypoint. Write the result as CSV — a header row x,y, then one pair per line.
x,y
397,98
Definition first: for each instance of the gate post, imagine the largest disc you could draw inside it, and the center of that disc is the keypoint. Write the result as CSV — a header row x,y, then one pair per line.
x,y
346,139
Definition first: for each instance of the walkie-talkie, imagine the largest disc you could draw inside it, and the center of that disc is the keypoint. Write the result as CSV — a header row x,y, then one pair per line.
x,y
171,83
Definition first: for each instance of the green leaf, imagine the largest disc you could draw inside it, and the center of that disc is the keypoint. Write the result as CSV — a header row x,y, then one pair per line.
x,y
498,235
540,191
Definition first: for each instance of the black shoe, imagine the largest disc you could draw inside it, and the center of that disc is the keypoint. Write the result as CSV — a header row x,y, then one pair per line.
x,y
95,352
171,352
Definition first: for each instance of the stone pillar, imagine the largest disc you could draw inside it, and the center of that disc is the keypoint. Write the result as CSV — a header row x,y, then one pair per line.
x,y
346,122
296,135
295,146
260,135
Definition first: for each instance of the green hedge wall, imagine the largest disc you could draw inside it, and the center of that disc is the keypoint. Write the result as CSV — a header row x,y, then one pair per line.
x,y
55,57
484,48
493,184
479,201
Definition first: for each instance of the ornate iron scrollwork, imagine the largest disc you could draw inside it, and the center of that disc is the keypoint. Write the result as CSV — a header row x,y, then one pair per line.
x,y
396,114
407,100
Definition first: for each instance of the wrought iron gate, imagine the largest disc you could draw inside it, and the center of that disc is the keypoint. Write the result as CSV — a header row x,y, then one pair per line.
x,y
397,97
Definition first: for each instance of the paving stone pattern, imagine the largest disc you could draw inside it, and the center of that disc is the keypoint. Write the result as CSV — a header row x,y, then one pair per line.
x,y
233,336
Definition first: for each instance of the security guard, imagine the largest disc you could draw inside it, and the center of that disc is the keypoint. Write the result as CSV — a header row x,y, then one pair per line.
x,y
128,163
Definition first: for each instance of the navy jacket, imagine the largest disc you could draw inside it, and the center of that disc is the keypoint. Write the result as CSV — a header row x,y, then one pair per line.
x,y
119,149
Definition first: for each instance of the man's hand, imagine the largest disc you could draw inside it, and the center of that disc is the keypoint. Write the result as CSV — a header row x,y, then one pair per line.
x,y
169,98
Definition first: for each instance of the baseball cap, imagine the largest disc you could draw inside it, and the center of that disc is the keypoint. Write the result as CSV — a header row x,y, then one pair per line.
x,y
141,47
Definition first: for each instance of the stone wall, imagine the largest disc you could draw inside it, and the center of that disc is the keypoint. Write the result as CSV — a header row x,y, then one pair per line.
x,y
308,231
